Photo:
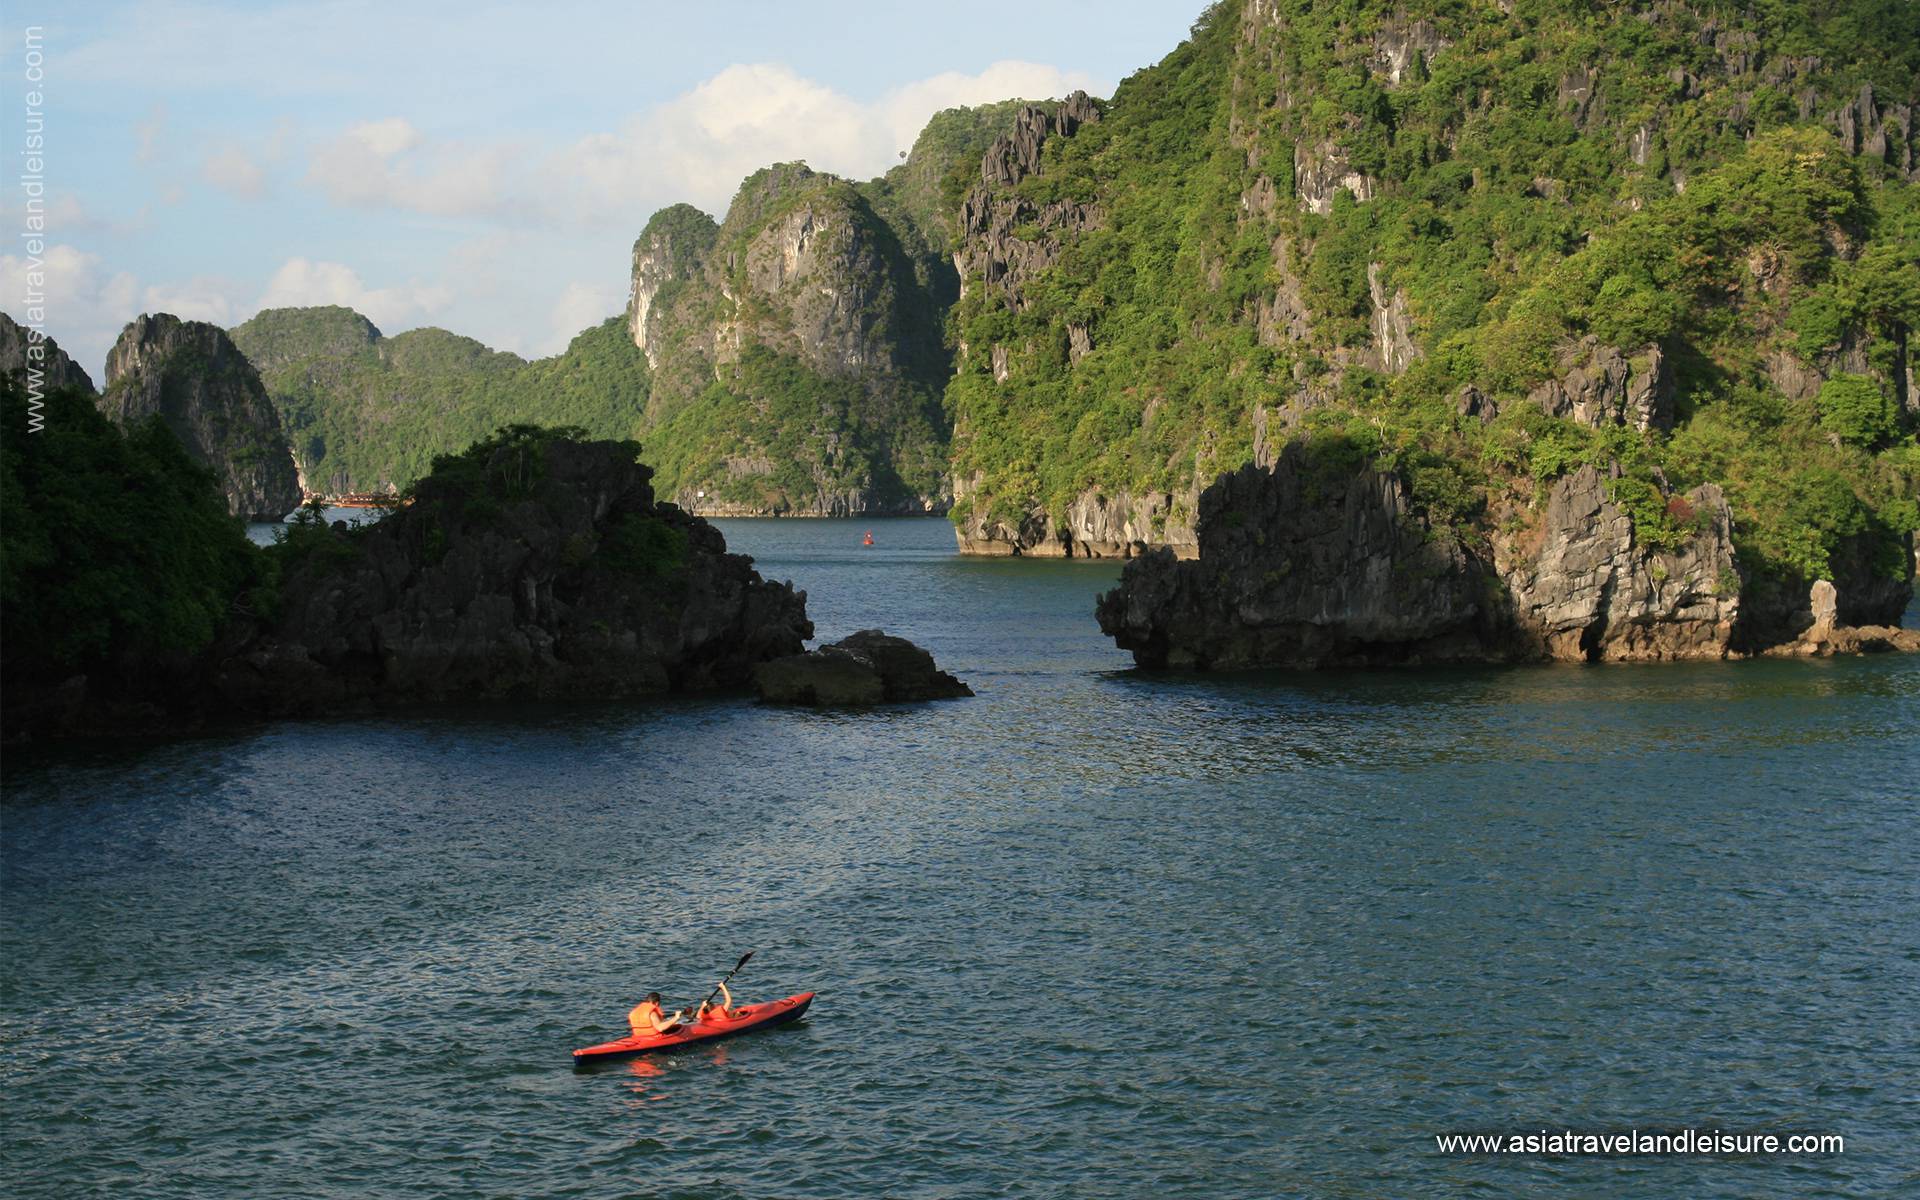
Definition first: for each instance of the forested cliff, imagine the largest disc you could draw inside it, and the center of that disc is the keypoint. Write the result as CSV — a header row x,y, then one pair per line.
x,y
789,359
797,347
1615,304
1485,242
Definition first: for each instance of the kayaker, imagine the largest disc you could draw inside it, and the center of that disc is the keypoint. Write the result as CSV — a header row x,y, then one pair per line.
x,y
716,1012
648,1018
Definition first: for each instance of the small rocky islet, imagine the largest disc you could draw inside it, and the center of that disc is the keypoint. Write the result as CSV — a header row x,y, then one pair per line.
x,y
868,667
533,566
1313,562
536,565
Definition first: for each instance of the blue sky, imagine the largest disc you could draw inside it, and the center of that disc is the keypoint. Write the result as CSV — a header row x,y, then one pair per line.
x,y
482,167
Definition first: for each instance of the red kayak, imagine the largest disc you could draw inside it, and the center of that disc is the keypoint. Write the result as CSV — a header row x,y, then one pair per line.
x,y
739,1020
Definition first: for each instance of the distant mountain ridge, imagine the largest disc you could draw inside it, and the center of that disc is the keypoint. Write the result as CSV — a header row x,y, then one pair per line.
x,y
366,412
790,359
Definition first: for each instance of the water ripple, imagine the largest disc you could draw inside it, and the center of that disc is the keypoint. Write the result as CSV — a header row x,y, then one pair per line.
x,y
1095,932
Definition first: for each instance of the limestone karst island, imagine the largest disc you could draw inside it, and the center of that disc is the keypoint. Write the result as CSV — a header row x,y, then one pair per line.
x,y
1305,598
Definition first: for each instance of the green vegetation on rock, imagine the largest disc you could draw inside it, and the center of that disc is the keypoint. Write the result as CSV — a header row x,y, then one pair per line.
x,y
799,347
370,413
1389,221
798,351
117,547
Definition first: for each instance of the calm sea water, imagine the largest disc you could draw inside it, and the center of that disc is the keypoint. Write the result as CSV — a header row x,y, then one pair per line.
x,y
1091,933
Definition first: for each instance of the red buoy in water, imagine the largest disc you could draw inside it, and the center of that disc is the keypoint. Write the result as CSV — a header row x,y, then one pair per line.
x,y
867,540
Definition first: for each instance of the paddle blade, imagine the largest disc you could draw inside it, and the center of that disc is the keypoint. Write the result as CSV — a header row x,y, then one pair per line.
x,y
743,960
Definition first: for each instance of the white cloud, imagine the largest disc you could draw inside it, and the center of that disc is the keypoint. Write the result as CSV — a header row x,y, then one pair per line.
x,y
66,216
301,282
85,304
696,147
580,306
389,164
202,298
386,138
701,144
149,132
233,170
243,168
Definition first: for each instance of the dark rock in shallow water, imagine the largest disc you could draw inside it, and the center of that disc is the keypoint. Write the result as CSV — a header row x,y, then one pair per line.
x,y
868,668
1311,564
1326,562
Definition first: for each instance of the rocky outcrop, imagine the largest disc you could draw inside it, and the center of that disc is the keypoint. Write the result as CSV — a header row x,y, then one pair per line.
x,y
797,334
1862,590
1401,47
1892,369
1601,386
1392,348
1579,97
1282,318
1005,238
870,667
1310,564
191,376
670,250
1016,155
1882,131
827,265
535,567
38,360
1320,170
1586,587
1317,562
1095,525
1827,636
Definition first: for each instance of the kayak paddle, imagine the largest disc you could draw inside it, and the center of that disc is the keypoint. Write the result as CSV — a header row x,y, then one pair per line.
x,y
730,975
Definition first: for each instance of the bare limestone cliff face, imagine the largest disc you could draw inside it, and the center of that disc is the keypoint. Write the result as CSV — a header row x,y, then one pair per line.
x,y
1583,587
797,355
37,359
1311,564
1007,238
1093,525
191,376
669,252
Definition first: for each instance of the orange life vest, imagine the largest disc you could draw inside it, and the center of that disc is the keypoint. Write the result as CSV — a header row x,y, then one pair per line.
x,y
642,1017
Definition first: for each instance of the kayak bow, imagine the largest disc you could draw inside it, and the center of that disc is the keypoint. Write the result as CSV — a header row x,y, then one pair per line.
x,y
751,1016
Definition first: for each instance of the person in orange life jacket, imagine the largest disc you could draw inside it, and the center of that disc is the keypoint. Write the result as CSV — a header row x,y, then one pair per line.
x,y
716,1012
647,1018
